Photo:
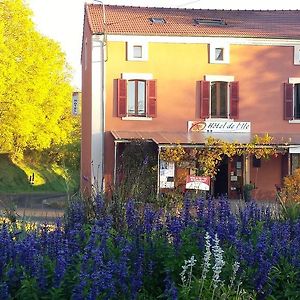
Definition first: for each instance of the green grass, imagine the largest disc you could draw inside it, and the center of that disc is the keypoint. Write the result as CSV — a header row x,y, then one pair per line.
x,y
14,177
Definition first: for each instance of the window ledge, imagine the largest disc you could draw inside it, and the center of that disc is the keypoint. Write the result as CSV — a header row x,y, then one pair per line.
x,y
219,120
137,118
294,121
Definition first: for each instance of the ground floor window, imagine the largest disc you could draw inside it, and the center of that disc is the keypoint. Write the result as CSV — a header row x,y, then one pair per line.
x,y
295,157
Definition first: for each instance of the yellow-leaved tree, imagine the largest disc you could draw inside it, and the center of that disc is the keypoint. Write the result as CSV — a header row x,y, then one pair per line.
x,y
35,89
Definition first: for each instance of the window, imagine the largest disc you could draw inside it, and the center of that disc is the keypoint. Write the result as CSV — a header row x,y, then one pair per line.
x,y
136,97
295,158
210,22
157,20
137,50
219,53
296,55
292,99
219,98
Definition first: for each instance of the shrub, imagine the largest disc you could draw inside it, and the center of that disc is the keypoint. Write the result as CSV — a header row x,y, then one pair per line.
x,y
289,196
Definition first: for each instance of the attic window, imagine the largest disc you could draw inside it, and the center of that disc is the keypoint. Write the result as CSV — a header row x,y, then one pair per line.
x,y
210,22
157,20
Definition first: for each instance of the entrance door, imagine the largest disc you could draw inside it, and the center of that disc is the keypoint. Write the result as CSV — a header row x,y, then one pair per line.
x,y
236,167
221,180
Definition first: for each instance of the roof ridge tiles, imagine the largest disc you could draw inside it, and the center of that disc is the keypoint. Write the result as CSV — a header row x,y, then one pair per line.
x,y
130,20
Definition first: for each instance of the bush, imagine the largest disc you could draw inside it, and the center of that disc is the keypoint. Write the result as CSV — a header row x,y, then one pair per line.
x,y
289,196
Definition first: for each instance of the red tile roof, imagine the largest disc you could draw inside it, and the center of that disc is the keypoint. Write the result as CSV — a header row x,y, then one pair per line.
x,y
180,22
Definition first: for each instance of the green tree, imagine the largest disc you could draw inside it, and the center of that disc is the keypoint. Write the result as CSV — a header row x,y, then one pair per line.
x,y
35,89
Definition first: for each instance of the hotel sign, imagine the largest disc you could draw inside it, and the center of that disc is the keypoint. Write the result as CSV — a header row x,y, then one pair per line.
x,y
218,126
76,103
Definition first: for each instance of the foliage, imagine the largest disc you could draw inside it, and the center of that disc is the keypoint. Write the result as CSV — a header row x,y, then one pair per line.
x,y
289,196
210,156
137,171
35,90
89,258
48,176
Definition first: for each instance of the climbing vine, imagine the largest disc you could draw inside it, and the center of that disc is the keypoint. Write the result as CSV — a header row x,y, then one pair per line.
x,y
211,154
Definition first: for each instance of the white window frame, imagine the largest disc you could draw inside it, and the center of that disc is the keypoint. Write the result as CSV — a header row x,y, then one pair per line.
x,y
297,55
212,53
141,76
294,80
224,78
130,50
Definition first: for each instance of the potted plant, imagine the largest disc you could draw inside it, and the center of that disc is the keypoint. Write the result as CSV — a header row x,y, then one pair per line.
x,y
247,188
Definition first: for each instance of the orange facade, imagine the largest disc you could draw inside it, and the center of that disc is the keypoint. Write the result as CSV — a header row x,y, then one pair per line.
x,y
178,67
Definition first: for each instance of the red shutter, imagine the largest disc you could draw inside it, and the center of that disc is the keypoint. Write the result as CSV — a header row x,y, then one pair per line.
x,y
204,99
151,98
234,99
288,101
122,97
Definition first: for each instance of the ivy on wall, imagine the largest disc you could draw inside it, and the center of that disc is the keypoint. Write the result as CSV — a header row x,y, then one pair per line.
x,y
211,154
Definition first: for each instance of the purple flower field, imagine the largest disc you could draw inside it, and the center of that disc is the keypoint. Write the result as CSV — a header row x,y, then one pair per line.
x,y
141,253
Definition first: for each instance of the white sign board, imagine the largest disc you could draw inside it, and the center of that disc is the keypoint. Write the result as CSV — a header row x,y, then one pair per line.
x,y
166,174
76,103
218,126
294,149
197,183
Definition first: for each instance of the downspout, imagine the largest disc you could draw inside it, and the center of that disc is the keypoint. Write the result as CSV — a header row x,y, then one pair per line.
x,y
103,43
158,170
115,163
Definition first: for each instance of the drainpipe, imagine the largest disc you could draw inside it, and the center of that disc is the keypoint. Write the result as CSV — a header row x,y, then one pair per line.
x,y
158,170
115,163
289,162
246,169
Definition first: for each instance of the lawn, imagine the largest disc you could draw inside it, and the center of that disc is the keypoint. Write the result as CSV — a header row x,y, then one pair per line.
x,y
31,176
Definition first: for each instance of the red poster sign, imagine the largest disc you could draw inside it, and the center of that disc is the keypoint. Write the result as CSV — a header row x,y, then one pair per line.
x,y
198,183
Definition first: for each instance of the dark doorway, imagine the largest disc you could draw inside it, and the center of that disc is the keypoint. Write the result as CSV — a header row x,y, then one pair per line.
x,y
221,180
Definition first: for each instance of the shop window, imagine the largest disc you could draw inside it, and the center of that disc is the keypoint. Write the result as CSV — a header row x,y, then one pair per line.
x,y
292,99
219,99
136,98
295,161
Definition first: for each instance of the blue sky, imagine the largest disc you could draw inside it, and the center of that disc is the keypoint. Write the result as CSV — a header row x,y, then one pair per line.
x,y
62,20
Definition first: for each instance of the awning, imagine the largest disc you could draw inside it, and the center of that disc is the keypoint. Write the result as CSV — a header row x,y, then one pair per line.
x,y
198,138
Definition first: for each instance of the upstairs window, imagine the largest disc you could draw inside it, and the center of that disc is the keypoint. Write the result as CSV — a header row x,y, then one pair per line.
x,y
136,98
210,22
219,53
137,51
219,99
292,99
157,20
296,55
